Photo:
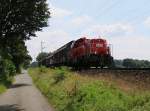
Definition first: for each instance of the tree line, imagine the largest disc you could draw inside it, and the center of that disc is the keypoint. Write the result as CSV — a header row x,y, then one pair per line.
x,y
19,22
132,63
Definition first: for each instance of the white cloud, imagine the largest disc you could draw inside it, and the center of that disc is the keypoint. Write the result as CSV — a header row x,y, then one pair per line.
x,y
52,41
115,29
59,12
81,21
147,22
136,47
131,47
120,35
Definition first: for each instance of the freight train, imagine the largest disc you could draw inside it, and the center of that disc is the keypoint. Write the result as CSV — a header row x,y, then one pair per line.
x,y
83,53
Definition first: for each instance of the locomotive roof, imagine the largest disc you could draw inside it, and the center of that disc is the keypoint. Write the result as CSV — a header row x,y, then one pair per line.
x,y
84,38
61,48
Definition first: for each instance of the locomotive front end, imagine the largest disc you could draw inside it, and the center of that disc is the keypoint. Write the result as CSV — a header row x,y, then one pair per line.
x,y
91,53
99,54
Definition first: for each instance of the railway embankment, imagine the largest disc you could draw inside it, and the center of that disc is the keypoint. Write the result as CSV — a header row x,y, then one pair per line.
x,y
130,80
92,90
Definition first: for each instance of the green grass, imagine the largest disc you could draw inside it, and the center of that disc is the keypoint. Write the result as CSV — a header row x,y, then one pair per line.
x,y
2,88
5,82
67,91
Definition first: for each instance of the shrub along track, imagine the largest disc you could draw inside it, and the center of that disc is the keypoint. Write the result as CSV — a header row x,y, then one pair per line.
x,y
126,79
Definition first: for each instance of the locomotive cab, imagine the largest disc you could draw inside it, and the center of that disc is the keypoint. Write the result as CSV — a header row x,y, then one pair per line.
x,y
98,47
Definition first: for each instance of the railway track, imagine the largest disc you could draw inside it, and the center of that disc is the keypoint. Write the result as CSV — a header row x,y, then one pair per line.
x,y
117,69
126,71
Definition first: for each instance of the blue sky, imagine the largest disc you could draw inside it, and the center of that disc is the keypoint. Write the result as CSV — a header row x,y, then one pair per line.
x,y
123,23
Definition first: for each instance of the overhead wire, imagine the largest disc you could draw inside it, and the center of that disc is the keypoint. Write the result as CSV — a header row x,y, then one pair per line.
x,y
135,18
108,8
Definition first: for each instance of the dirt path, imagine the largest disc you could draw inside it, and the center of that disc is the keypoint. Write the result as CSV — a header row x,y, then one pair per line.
x,y
23,96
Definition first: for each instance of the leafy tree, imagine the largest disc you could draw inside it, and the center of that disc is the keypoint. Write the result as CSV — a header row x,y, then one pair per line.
x,y
27,61
118,63
22,18
7,71
133,63
1,66
17,52
41,56
34,64
129,63
19,20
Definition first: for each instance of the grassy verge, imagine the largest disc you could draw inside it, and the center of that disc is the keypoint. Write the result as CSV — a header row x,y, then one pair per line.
x,y
67,91
2,88
7,72
5,83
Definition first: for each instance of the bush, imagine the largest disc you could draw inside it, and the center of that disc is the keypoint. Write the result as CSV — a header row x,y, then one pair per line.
x,y
2,88
7,71
8,68
42,69
59,75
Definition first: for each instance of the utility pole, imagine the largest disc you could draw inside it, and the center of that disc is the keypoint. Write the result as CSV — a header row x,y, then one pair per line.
x,y
42,47
99,37
111,49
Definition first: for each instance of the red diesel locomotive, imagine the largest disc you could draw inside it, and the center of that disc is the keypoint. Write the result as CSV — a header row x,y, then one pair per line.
x,y
81,53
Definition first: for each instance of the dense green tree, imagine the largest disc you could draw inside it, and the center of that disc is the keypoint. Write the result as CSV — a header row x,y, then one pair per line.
x,y
19,20
1,66
41,56
34,64
22,18
134,63
129,63
17,52
118,63
27,62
